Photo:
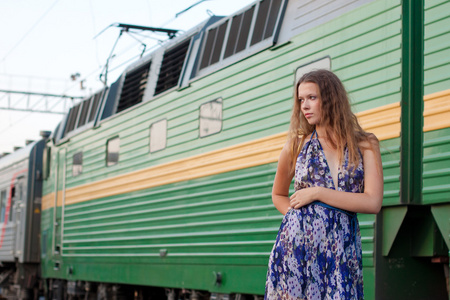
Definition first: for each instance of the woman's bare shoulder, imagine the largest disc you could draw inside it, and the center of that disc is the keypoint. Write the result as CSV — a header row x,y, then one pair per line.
x,y
307,137
371,142
288,148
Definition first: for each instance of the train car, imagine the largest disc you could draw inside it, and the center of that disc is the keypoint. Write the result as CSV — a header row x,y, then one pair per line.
x,y
20,217
159,186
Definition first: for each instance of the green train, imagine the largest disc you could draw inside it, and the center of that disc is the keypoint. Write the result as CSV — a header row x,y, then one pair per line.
x,y
159,186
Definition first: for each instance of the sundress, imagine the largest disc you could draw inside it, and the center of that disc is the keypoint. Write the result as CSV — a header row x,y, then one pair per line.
x,y
317,253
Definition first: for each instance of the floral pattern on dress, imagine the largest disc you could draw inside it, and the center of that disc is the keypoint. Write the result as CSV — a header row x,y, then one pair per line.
x,y
317,253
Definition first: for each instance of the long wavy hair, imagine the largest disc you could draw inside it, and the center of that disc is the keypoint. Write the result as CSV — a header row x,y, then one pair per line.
x,y
342,127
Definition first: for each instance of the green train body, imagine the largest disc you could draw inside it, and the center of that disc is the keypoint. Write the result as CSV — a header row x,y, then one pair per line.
x,y
163,179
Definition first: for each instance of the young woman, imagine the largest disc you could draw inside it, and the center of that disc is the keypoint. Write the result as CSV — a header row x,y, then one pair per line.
x,y
338,173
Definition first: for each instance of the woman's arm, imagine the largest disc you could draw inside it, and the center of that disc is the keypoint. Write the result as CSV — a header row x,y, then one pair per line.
x,y
283,178
368,202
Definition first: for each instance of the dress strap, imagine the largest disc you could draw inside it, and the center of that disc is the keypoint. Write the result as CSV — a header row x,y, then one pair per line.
x,y
317,138
312,135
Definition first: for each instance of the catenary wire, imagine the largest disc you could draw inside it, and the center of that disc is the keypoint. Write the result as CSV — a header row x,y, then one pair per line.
x,y
30,30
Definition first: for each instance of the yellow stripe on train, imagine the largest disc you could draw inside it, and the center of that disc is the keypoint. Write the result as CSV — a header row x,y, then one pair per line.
x,y
383,121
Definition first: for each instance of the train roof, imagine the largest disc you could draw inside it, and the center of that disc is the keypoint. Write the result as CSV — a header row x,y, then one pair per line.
x,y
17,156
208,47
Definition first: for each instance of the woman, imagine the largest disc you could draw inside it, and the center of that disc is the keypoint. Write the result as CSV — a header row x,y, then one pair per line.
x,y
338,173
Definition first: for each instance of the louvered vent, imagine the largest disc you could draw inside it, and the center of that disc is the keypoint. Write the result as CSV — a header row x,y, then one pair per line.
x,y
171,67
89,109
84,112
214,43
266,20
72,119
134,87
242,31
94,106
238,36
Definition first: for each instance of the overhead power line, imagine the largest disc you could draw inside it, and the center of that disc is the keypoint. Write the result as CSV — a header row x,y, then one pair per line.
x,y
186,9
126,28
30,30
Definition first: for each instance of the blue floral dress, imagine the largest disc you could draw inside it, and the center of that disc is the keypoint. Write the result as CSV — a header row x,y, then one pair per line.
x,y
317,253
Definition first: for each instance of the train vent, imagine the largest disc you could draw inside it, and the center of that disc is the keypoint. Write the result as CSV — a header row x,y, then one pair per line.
x,y
241,32
83,113
72,119
171,67
213,46
94,106
85,105
134,87
89,109
266,20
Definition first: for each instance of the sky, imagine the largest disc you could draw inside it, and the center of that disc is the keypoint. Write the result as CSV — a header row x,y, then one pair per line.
x,y
60,47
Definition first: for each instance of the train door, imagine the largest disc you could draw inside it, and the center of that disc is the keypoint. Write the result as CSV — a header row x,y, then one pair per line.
x,y
60,176
18,207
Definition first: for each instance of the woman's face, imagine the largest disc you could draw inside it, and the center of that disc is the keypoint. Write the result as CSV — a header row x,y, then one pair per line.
x,y
310,102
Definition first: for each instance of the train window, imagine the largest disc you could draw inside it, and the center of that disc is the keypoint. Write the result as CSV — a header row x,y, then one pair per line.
x,y
210,117
171,67
13,200
158,136
46,162
3,200
20,194
112,151
44,243
134,87
77,166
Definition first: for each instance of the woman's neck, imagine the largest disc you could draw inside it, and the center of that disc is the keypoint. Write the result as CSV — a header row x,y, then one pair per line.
x,y
321,131
326,135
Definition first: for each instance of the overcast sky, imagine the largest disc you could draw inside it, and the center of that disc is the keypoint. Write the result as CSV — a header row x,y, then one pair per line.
x,y
44,42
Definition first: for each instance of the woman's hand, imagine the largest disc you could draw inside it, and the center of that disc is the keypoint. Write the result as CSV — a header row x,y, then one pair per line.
x,y
368,202
304,197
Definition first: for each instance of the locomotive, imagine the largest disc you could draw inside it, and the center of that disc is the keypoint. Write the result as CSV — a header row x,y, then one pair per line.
x,y
159,185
